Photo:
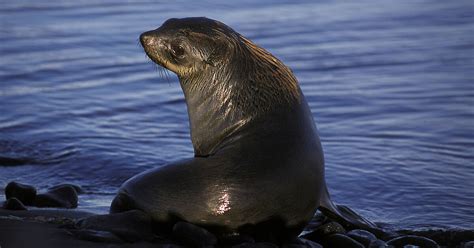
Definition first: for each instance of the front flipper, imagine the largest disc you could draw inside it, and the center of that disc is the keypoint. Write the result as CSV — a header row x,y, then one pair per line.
x,y
130,226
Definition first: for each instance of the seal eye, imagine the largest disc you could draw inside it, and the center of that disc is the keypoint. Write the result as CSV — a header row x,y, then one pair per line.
x,y
177,50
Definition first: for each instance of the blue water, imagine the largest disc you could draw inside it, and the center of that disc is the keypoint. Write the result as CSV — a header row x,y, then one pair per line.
x,y
390,84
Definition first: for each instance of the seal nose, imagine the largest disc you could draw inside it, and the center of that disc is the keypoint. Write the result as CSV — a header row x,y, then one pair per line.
x,y
148,39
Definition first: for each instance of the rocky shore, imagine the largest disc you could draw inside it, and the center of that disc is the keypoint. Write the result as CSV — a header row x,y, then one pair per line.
x,y
26,221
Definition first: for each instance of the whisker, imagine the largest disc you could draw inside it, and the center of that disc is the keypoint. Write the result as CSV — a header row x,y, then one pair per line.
x,y
159,71
163,73
167,75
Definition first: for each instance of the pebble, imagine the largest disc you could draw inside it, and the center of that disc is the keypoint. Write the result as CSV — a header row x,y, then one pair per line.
x,y
324,230
235,239
469,244
97,236
317,220
167,246
362,236
78,188
412,240
341,240
23,192
378,244
443,237
193,235
60,197
14,204
309,244
256,245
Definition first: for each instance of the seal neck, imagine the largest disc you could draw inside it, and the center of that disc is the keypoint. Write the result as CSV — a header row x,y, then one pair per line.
x,y
212,118
223,98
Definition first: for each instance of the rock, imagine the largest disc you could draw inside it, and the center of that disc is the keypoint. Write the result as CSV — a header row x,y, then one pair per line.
x,y
61,197
6,161
131,226
301,243
324,230
378,244
412,240
362,236
411,246
318,220
193,235
14,204
469,244
293,246
167,246
341,240
443,237
311,244
256,245
97,236
230,240
25,193
78,188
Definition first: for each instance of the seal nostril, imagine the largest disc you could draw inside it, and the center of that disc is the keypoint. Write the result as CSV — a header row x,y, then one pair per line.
x,y
150,39
144,38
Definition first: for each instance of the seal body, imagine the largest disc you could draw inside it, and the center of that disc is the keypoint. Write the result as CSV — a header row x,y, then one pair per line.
x,y
258,158
272,174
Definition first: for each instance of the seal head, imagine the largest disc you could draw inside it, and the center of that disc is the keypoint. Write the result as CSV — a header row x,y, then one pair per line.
x,y
227,80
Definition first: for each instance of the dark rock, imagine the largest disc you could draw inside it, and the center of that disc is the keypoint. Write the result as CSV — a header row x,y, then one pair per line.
x,y
378,244
362,236
293,246
443,237
303,243
412,240
6,161
25,193
230,240
294,240
61,197
256,245
311,244
97,236
318,220
341,240
131,226
14,204
324,230
78,188
167,246
193,235
469,244
293,243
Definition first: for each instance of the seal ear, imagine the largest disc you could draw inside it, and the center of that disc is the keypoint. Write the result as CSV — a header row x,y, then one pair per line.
x,y
218,53
212,58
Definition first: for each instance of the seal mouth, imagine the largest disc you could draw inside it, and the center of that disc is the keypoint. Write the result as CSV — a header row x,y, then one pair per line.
x,y
155,48
153,57
149,44
152,45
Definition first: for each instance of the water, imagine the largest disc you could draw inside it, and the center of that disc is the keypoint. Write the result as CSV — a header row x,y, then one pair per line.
x,y
390,84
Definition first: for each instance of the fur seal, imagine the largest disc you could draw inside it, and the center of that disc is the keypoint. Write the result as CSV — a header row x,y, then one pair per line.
x,y
258,162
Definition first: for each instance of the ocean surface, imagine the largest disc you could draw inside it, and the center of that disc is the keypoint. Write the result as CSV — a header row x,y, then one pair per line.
x,y
390,85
